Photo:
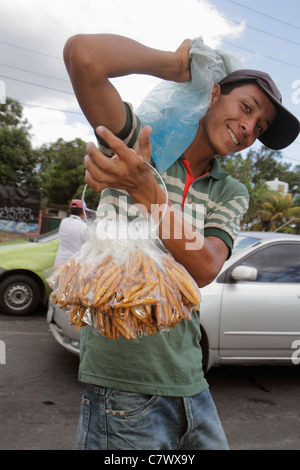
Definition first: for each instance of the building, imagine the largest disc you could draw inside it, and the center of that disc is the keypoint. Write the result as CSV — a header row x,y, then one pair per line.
x,y
279,186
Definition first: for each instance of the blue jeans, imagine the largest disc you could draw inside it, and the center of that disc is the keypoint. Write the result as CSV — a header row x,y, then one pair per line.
x,y
118,420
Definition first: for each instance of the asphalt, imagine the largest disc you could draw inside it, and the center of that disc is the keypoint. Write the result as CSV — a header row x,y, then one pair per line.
x,y
40,395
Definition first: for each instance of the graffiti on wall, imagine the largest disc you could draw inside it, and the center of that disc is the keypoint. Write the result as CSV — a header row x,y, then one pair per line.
x,y
19,210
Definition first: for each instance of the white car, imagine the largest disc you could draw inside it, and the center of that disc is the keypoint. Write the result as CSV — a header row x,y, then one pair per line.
x,y
250,314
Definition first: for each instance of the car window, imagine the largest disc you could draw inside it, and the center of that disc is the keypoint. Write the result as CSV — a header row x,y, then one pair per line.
x,y
242,242
277,263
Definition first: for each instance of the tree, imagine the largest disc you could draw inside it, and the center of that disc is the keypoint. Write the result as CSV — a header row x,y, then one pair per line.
x,y
254,170
277,213
56,169
18,162
63,170
91,197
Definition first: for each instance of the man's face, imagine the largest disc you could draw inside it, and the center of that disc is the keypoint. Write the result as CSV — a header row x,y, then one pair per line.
x,y
234,121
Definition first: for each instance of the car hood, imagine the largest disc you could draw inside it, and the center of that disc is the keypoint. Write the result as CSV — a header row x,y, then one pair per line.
x,y
12,243
34,256
11,246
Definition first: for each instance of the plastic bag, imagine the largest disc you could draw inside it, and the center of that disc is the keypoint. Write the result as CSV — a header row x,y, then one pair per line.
x,y
173,110
123,282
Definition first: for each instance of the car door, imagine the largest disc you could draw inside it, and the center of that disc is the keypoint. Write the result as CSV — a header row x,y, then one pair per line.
x,y
261,318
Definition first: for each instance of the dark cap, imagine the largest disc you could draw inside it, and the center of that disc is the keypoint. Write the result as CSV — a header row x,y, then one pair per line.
x,y
285,127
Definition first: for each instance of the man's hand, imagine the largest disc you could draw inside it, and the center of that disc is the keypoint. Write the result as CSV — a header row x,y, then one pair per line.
x,y
184,72
125,170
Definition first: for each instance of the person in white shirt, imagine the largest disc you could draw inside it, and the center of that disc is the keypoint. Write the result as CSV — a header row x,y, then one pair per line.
x,y
72,232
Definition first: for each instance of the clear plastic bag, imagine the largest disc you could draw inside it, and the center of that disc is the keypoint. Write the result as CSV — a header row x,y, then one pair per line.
x,y
173,110
125,286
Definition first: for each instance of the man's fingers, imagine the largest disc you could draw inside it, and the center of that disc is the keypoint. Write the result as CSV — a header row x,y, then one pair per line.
x,y
113,142
125,170
94,184
100,167
97,158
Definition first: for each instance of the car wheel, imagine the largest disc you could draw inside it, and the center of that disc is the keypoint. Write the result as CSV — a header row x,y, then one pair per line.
x,y
19,295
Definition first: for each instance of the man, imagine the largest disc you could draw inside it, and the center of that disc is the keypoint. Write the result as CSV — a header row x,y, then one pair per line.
x,y
153,395
72,232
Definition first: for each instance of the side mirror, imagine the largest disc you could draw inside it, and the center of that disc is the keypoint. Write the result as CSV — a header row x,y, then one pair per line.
x,y
244,273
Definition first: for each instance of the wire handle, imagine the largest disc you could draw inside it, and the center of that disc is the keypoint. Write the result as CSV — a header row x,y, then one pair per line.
x,y
165,191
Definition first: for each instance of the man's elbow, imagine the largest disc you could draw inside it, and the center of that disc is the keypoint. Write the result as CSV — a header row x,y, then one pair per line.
x,y
206,276
75,53
206,279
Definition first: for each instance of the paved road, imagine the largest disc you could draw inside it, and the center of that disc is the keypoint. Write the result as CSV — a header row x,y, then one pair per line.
x,y
40,395
39,391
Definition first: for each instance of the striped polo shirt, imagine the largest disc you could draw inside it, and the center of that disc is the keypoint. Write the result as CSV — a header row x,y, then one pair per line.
x,y
167,363
213,203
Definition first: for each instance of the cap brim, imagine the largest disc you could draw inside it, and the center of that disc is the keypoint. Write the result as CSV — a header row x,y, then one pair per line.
x,y
284,129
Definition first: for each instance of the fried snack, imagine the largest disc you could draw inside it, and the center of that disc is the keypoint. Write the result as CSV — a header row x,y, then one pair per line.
x,y
130,299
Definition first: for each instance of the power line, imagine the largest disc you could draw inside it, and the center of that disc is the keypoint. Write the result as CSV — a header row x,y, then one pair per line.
x,y
30,50
259,53
225,42
293,159
52,109
265,32
36,84
35,73
264,14
67,81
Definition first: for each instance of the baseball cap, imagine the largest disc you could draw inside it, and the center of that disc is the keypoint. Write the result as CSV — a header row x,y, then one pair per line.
x,y
76,203
285,127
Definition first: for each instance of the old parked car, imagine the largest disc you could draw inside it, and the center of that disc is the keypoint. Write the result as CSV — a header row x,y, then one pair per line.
x,y
22,265
250,314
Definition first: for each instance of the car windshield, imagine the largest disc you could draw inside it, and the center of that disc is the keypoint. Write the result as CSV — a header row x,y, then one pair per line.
x,y
45,237
243,241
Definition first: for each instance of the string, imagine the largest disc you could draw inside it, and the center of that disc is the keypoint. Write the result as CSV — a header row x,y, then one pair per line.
x,y
165,191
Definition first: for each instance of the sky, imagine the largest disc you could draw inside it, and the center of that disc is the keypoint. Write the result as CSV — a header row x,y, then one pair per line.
x,y
264,34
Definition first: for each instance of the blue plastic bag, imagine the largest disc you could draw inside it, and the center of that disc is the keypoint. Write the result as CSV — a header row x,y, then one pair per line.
x,y
173,110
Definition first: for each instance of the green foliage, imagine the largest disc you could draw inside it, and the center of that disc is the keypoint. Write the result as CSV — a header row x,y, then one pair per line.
x,y
58,170
18,161
254,170
91,197
63,167
63,170
277,214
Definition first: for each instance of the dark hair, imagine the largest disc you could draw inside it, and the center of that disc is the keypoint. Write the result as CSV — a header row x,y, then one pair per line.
x,y
76,211
228,87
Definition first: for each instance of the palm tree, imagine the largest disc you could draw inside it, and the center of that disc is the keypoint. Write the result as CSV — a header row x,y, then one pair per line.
x,y
277,214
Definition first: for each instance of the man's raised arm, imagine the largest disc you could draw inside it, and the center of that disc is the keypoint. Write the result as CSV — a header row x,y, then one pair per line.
x,y
92,59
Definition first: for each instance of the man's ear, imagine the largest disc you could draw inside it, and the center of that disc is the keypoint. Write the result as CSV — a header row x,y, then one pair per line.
x,y
216,92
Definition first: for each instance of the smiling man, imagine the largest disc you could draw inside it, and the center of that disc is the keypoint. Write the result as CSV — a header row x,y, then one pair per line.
x,y
246,112
153,394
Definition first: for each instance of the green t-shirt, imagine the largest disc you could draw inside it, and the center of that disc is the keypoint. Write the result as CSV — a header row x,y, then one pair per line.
x,y
168,363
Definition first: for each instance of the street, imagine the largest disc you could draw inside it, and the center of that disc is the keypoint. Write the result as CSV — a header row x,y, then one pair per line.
x,y
40,395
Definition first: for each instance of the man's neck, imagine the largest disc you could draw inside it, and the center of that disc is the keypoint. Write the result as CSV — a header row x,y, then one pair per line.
x,y
198,165
199,154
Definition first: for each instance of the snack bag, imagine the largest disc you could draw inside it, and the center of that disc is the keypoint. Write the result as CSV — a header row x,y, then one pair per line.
x,y
124,283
